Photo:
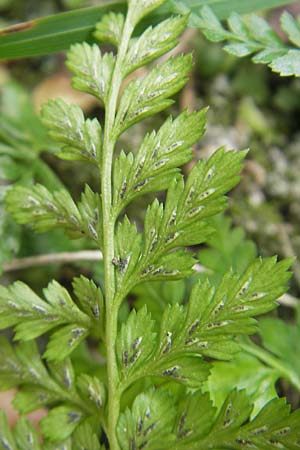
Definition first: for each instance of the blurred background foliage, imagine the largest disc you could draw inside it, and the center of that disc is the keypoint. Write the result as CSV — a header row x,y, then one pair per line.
x,y
250,107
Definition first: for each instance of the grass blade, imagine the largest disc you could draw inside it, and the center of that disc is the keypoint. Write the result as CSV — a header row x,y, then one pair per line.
x,y
53,33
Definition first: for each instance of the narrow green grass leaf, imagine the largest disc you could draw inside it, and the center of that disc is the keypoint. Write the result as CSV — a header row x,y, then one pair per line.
x,y
53,33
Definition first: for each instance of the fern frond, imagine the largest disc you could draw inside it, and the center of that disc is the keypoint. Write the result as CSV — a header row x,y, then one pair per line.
x,y
44,211
32,316
254,36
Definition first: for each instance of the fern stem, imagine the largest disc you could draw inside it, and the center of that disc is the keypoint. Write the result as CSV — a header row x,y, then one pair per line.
x,y
108,240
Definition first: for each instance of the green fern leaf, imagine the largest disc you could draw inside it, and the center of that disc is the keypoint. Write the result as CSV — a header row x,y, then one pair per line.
x,y
85,439
63,373
153,43
21,366
288,64
146,97
274,426
195,414
33,397
80,139
167,228
32,316
91,302
64,341
291,26
202,196
61,422
45,211
26,435
7,441
138,358
93,390
158,159
211,26
254,36
92,70
175,265
189,371
133,266
213,316
110,28
90,209
140,9
127,251
149,423
14,362
57,307
154,370
39,386
134,348
65,445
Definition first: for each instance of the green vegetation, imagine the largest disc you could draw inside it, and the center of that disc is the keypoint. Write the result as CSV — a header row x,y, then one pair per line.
x,y
153,351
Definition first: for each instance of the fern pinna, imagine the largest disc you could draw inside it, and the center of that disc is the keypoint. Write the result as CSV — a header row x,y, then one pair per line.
x,y
150,395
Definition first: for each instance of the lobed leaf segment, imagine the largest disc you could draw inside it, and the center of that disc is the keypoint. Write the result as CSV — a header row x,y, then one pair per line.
x,y
148,394
254,36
